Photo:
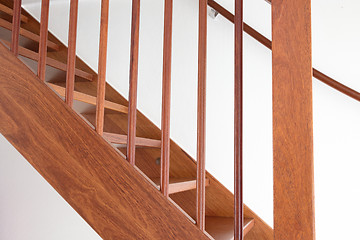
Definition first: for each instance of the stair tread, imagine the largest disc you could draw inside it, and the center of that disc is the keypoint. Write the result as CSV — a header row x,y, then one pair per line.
x,y
180,184
9,11
222,228
139,141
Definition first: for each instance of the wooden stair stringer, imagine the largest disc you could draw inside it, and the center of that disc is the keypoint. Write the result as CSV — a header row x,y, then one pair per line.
x,y
84,169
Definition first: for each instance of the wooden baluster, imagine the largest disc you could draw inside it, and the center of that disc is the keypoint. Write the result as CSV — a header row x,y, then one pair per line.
x,y
238,123
101,85
134,54
71,58
201,115
44,22
166,92
292,120
15,34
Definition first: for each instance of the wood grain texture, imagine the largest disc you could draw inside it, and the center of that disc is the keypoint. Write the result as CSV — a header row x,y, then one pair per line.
x,y
15,32
28,34
9,11
292,120
122,139
222,228
101,87
70,71
238,123
96,181
166,97
177,185
133,80
44,23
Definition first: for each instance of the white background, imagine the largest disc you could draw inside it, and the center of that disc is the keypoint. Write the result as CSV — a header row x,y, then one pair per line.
x,y
336,116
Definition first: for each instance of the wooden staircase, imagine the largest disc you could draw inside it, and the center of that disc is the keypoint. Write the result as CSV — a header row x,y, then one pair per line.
x,y
146,174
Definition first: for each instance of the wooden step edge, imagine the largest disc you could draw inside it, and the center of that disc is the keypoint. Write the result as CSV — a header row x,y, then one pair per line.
x,y
82,97
180,184
9,11
122,139
30,35
51,62
222,228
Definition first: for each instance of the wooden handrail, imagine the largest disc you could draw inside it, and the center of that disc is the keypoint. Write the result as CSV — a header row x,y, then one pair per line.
x,y
101,85
201,116
44,22
9,11
71,58
134,54
238,123
15,33
166,92
267,43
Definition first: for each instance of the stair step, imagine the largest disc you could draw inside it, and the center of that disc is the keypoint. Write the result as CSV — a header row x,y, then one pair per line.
x,y
222,228
89,99
51,62
122,139
9,11
30,35
180,184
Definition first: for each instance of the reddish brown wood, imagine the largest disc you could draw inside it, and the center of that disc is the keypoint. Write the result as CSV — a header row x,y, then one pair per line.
x,y
238,123
108,193
70,74
201,118
44,22
100,100
9,11
292,120
166,97
15,34
122,139
134,54
177,185
222,228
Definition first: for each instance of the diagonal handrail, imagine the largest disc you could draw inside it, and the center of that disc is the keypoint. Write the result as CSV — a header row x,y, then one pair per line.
x,y
267,43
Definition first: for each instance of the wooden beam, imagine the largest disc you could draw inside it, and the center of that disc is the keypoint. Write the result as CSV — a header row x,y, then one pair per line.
x,y
9,11
101,85
201,116
82,97
15,32
134,54
44,22
30,35
238,123
166,97
51,62
122,139
71,58
292,120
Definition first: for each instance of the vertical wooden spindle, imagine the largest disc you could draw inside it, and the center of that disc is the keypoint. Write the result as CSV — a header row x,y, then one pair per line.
x,y
238,123
100,99
166,92
14,47
44,22
201,115
134,54
71,58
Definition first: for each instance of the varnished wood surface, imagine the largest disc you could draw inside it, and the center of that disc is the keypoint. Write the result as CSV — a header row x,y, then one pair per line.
x,y
89,99
222,228
15,32
86,171
43,42
292,120
201,116
177,185
25,33
238,123
122,139
133,80
9,11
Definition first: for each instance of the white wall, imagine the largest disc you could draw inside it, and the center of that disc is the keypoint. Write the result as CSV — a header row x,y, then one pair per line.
x,y
335,52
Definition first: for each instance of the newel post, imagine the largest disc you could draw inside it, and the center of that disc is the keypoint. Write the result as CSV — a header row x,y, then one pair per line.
x,y
292,120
